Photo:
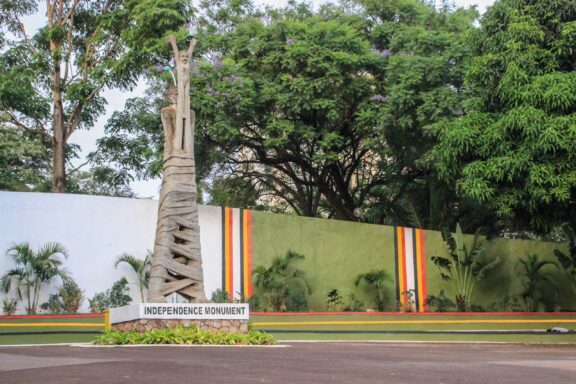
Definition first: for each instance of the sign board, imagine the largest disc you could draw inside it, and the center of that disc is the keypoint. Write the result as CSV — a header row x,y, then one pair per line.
x,y
179,311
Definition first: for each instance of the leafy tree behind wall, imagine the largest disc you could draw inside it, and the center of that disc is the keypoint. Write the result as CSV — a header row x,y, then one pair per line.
x,y
513,151
426,56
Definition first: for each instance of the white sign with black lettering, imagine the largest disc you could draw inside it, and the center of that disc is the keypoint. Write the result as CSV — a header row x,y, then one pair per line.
x,y
180,311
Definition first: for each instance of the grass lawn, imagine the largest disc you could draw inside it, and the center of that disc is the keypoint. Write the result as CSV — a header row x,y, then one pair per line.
x,y
507,328
49,329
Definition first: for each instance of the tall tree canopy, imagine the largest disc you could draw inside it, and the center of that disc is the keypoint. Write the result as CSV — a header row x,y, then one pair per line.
x,y
515,149
319,111
51,81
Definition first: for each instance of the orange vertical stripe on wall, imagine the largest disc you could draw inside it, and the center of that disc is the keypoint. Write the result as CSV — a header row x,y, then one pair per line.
x,y
421,268
246,254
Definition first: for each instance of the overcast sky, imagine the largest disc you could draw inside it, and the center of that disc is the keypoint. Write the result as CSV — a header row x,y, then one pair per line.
x,y
87,138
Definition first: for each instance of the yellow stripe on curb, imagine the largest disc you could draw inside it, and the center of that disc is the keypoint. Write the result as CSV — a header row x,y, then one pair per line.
x,y
549,321
52,325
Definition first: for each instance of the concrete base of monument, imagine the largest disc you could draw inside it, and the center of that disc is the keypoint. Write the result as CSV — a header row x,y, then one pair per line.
x,y
213,317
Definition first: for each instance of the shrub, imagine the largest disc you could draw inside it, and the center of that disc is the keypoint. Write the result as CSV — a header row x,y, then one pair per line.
x,y
375,283
117,296
354,305
220,296
9,306
334,300
283,287
53,305
536,281
98,303
440,303
71,295
183,335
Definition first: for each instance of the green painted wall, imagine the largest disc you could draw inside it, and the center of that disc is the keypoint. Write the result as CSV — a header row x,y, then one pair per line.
x,y
338,251
505,280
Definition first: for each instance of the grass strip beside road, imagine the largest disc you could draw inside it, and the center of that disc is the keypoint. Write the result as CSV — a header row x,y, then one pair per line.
x,y
514,328
49,329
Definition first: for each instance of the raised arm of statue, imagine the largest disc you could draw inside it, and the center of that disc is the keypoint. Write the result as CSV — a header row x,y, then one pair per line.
x,y
183,131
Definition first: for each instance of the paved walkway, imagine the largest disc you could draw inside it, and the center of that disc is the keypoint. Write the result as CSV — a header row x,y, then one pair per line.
x,y
323,363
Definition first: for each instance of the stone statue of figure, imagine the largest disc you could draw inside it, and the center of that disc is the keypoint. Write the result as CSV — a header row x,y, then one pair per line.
x,y
177,261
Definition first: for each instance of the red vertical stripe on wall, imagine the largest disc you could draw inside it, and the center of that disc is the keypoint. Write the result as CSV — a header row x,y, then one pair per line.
x,y
422,256
249,254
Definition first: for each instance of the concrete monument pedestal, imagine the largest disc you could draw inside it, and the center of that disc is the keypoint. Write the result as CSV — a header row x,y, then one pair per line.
x,y
213,317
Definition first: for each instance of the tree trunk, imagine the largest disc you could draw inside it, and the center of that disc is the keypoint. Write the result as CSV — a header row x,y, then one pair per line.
x,y
58,133
59,166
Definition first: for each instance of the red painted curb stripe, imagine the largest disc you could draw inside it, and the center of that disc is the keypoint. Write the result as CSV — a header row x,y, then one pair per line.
x,y
413,313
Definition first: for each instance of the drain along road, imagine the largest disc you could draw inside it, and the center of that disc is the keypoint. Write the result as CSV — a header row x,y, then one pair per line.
x,y
291,363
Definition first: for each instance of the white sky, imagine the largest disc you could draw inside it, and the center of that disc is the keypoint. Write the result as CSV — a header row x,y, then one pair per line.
x,y
116,99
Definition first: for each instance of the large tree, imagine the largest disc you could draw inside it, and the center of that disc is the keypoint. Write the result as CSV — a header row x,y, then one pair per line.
x,y
513,150
321,112
51,81
427,56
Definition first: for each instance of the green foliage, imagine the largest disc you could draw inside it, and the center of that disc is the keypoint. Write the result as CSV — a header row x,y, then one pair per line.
x,y
71,295
439,303
568,261
67,301
140,267
9,306
51,80
535,281
354,305
466,265
183,335
232,192
23,162
513,149
408,304
98,303
335,300
220,296
117,296
32,270
282,287
376,283
53,306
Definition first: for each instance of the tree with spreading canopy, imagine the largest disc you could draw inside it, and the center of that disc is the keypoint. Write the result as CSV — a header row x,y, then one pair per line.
x,y
51,82
514,149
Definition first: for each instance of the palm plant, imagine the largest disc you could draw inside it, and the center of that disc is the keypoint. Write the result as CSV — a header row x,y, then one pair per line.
x,y
568,261
375,281
33,270
281,281
140,267
466,265
534,279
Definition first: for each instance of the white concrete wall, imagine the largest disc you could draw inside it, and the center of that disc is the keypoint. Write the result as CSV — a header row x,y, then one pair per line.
x,y
95,230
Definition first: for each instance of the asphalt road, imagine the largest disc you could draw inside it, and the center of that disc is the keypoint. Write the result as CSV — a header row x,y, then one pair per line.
x,y
291,363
